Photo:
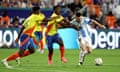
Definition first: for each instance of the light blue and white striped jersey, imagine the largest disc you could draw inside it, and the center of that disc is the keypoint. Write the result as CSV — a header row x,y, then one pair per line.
x,y
84,26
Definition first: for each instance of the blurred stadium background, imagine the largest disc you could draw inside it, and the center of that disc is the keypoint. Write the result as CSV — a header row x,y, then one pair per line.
x,y
13,13
107,12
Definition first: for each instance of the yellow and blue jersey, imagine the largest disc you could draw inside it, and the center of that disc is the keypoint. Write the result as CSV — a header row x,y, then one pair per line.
x,y
39,23
30,24
52,25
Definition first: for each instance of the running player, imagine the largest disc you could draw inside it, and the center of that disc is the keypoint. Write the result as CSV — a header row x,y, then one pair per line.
x,y
52,35
39,33
26,37
82,24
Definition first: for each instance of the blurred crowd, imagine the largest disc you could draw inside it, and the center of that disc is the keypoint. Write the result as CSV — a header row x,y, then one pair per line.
x,y
107,12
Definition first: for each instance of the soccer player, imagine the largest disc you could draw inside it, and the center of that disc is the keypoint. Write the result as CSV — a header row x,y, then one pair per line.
x,y
82,24
52,35
39,29
26,37
39,33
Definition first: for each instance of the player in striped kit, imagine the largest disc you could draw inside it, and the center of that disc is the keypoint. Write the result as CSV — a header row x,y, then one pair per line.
x,y
82,24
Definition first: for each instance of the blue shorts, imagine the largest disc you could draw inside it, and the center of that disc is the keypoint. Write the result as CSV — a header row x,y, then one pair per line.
x,y
26,42
52,39
38,35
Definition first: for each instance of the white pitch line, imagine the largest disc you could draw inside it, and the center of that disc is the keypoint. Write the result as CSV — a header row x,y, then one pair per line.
x,y
23,69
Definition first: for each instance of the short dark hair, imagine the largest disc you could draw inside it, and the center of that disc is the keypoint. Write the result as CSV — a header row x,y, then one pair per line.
x,y
34,9
56,7
78,14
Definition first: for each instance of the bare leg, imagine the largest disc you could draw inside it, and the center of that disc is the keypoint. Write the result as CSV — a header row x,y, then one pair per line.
x,y
89,49
83,52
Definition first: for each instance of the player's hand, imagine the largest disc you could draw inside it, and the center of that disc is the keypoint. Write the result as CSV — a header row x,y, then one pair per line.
x,y
102,26
16,41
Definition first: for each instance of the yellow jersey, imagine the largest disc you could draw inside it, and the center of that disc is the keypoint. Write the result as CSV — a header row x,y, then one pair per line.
x,y
52,25
39,23
30,24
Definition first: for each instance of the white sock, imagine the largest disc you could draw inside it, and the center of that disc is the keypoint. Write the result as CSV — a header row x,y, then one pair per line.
x,y
18,58
81,55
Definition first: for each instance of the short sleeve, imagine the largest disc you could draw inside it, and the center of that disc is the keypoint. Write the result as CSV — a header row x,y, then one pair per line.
x,y
42,17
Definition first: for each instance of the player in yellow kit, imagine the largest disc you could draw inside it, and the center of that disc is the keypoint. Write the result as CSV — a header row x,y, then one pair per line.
x,y
38,39
38,33
52,35
26,36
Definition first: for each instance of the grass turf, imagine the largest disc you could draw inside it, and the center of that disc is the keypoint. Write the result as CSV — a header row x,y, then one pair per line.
x,y
38,62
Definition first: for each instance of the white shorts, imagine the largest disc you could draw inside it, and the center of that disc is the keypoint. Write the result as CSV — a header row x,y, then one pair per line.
x,y
86,41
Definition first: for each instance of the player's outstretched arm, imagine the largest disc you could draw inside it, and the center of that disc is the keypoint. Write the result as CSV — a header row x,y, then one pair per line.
x,y
45,21
64,24
16,41
51,18
98,24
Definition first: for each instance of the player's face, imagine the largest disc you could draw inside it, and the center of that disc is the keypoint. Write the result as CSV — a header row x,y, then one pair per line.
x,y
78,19
37,12
58,9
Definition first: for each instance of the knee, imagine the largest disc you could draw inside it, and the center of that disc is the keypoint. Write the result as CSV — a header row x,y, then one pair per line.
x,y
89,51
21,54
83,47
61,44
50,49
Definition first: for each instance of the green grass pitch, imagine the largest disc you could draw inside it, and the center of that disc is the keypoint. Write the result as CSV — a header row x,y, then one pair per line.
x,y
38,62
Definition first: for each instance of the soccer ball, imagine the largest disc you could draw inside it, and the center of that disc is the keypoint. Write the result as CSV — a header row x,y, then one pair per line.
x,y
98,61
